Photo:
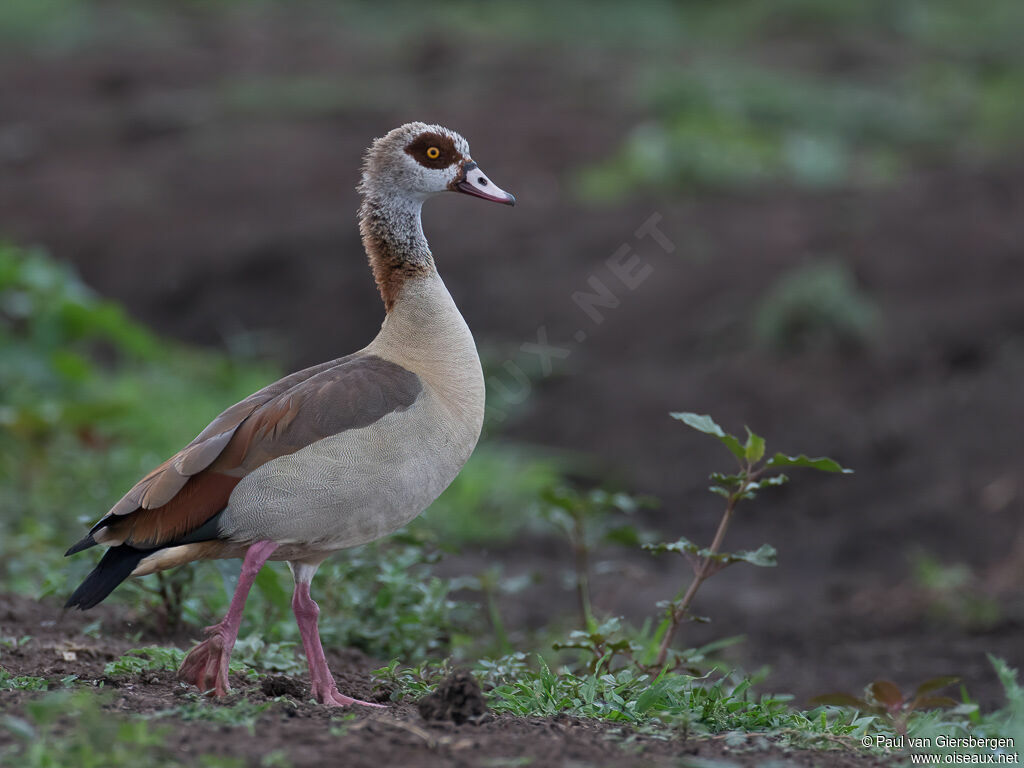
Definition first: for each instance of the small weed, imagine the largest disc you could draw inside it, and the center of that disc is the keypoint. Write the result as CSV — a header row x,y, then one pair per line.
x,y
885,698
151,659
165,659
243,713
9,682
276,759
94,739
253,651
953,593
754,474
818,305
939,722
586,519
411,682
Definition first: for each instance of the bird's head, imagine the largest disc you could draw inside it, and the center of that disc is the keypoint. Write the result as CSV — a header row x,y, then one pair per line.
x,y
418,160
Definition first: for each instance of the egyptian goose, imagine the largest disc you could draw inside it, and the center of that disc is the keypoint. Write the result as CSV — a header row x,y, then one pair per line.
x,y
333,456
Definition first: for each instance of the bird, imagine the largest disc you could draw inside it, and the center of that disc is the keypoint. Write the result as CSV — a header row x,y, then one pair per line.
x,y
332,456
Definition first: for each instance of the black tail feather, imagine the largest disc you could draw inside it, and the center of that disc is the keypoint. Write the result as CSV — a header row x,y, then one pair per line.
x,y
85,543
115,566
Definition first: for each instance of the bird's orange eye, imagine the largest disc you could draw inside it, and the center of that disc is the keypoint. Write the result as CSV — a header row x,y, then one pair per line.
x,y
433,153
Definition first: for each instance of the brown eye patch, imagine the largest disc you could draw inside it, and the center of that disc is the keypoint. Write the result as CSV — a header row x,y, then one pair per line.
x,y
433,150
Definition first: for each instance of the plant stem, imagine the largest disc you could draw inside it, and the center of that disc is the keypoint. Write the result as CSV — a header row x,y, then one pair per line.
x,y
497,624
701,573
582,574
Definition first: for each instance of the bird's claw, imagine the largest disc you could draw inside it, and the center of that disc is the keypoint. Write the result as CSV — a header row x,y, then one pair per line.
x,y
208,662
328,695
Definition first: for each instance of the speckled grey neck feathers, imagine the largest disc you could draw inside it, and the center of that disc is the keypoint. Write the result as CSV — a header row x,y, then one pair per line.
x,y
392,235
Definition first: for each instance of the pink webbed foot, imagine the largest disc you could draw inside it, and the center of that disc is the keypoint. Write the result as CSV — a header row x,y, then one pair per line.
x,y
207,663
328,695
324,689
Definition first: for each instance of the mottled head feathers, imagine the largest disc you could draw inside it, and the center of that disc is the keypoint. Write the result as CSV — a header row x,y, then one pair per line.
x,y
415,160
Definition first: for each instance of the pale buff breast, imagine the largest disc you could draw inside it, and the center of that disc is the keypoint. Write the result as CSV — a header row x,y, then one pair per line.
x,y
362,484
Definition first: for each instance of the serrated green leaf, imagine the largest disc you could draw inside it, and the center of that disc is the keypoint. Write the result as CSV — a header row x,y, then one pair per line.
x,y
704,423
626,535
681,545
821,463
754,448
767,482
764,556
935,684
886,693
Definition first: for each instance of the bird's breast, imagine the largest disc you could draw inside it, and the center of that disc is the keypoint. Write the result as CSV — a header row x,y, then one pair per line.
x,y
353,487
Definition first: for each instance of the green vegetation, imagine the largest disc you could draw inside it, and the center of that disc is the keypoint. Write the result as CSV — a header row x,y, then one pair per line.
x,y
94,740
953,593
818,305
754,474
725,705
139,660
84,394
727,111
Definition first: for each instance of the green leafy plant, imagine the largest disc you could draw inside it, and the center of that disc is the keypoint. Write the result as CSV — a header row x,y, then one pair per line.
x,y
77,423
9,682
885,698
585,520
251,653
94,739
631,696
732,118
953,592
151,659
242,713
255,652
754,473
816,305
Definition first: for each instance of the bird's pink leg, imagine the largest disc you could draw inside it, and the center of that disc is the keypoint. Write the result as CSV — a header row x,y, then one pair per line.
x,y
208,662
324,689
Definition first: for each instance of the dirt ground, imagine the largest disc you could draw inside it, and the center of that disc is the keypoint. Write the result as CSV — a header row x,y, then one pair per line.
x,y
217,216
311,735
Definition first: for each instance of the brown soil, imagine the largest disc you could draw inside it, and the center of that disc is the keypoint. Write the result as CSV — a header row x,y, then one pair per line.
x,y
211,218
452,728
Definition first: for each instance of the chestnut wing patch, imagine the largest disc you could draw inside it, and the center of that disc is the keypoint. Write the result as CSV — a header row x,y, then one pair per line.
x,y
163,483
167,505
420,149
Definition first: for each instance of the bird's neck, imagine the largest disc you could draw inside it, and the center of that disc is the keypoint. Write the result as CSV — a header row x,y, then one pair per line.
x,y
394,241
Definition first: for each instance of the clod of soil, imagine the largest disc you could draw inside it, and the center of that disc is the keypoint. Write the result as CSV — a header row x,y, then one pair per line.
x,y
458,698
280,685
